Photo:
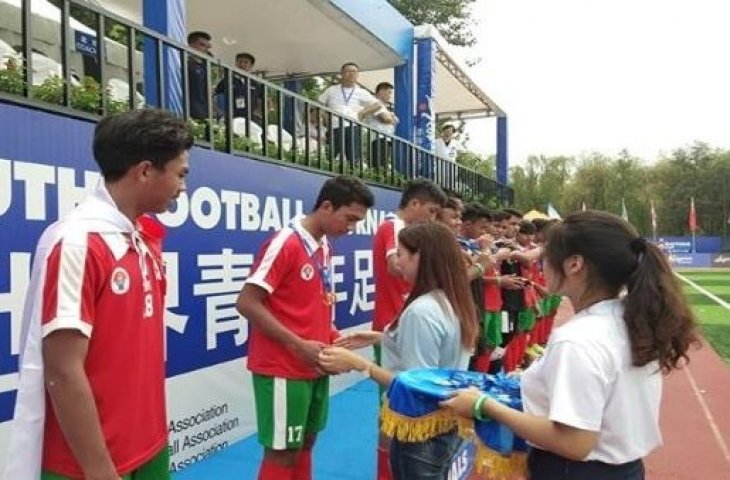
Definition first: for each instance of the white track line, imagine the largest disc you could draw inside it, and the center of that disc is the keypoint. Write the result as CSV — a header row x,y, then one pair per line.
x,y
711,295
700,398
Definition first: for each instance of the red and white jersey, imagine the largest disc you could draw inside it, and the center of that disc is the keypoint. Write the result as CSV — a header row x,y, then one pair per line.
x,y
288,268
96,273
492,292
390,291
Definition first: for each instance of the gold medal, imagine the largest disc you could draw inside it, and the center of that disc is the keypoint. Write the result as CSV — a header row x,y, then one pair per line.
x,y
330,298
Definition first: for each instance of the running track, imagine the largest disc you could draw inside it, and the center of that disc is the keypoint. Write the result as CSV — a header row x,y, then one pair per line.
x,y
695,420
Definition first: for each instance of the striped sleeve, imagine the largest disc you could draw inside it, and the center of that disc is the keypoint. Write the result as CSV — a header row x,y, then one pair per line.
x,y
274,262
70,287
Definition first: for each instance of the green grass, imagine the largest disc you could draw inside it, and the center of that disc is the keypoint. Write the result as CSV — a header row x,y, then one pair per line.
x,y
714,319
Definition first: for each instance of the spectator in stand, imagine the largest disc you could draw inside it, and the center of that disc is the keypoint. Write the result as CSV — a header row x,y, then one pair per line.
x,y
446,148
383,121
241,85
198,87
352,102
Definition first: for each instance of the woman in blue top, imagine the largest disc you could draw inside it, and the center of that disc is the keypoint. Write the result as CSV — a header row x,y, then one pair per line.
x,y
436,329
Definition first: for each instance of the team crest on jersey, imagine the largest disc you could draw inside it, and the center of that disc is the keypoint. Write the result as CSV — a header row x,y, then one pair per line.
x,y
307,272
120,281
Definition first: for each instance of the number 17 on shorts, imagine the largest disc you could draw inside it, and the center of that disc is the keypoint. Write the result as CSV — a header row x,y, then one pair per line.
x,y
288,411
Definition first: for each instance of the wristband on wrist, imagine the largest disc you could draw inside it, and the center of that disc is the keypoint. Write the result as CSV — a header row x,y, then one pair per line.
x,y
366,371
480,269
478,413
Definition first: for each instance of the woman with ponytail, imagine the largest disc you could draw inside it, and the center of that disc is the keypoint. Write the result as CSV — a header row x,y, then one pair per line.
x,y
591,403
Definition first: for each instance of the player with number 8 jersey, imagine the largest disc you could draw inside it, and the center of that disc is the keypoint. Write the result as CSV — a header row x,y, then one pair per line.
x,y
91,396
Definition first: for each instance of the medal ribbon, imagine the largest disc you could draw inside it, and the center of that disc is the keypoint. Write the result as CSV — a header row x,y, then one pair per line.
x,y
324,272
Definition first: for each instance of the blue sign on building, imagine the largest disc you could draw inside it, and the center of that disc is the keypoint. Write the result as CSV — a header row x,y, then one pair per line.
x,y
86,44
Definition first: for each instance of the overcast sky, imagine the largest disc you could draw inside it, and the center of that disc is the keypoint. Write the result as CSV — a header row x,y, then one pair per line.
x,y
601,75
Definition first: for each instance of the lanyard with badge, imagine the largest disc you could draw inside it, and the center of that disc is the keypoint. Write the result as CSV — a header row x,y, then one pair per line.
x,y
324,273
347,98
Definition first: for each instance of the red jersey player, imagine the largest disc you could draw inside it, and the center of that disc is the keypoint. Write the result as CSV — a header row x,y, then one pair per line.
x,y
289,300
94,316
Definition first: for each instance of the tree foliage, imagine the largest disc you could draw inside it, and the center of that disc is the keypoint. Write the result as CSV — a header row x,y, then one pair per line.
x,y
601,182
450,17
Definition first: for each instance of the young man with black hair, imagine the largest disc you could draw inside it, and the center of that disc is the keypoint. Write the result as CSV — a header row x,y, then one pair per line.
x,y
198,87
474,227
420,202
289,299
95,311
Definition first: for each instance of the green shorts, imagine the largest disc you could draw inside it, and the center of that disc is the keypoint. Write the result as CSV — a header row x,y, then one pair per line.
x,y
492,329
287,410
158,468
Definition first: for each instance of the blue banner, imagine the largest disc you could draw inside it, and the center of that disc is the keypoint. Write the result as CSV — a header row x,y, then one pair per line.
x,y
694,260
231,206
425,92
703,244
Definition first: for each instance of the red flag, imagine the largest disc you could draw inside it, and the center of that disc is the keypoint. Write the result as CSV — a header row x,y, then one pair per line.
x,y
692,216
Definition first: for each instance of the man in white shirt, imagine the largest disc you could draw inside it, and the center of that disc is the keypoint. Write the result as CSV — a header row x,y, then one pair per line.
x,y
352,102
384,121
446,148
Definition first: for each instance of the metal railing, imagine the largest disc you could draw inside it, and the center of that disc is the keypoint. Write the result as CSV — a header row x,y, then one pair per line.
x,y
134,66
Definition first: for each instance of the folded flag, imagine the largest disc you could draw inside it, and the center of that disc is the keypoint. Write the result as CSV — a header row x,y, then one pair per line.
x,y
412,414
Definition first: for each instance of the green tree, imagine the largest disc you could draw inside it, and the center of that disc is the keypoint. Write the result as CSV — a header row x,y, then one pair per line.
x,y
482,164
602,183
697,171
541,181
450,17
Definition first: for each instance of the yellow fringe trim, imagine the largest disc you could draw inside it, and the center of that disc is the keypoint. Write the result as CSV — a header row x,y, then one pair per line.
x,y
409,429
498,466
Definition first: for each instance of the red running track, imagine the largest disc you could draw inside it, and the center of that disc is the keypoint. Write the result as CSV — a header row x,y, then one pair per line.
x,y
695,422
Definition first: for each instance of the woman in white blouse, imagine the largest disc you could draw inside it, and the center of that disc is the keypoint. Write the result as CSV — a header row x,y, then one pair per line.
x,y
591,403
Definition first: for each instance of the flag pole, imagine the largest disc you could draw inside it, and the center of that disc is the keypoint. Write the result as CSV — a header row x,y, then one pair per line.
x,y
693,223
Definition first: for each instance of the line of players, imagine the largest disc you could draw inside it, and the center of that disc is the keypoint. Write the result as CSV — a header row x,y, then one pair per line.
x,y
502,252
